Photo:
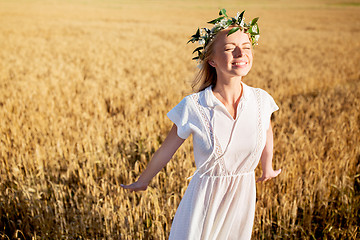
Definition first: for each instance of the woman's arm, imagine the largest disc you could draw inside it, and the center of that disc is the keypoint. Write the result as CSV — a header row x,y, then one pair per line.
x,y
161,157
266,158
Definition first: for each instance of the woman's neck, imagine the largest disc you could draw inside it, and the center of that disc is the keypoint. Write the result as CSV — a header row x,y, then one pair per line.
x,y
228,92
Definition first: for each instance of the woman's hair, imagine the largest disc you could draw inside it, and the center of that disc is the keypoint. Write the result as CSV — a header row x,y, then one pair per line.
x,y
207,73
206,76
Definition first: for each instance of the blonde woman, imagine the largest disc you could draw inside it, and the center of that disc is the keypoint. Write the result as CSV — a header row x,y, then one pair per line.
x,y
231,129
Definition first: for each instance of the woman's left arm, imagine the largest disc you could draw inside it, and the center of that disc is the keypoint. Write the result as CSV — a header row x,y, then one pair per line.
x,y
266,158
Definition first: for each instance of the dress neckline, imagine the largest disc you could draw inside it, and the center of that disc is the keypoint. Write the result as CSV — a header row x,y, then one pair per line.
x,y
213,101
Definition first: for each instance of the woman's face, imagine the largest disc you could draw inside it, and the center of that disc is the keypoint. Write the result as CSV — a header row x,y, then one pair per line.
x,y
232,56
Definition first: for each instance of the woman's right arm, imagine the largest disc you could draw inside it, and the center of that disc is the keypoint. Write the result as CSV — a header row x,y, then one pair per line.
x,y
161,157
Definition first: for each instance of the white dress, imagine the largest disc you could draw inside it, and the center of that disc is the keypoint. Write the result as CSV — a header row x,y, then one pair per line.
x,y
219,202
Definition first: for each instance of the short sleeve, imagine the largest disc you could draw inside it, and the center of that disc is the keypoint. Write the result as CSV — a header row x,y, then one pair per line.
x,y
180,115
269,106
272,107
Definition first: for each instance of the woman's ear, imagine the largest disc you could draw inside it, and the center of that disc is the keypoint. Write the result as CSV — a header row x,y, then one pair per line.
x,y
212,63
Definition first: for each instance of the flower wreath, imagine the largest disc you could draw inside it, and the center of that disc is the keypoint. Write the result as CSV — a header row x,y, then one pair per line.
x,y
205,35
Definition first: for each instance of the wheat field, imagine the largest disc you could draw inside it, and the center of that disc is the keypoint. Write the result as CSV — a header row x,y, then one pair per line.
x,y
84,91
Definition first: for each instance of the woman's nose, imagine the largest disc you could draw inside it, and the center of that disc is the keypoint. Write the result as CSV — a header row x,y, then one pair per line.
x,y
238,52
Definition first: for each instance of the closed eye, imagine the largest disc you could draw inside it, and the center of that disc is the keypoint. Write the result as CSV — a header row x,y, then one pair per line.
x,y
246,46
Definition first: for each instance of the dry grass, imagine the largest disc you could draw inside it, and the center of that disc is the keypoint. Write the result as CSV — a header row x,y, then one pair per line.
x,y
84,91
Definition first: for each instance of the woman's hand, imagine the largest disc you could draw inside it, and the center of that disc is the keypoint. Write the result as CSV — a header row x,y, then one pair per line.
x,y
268,175
135,187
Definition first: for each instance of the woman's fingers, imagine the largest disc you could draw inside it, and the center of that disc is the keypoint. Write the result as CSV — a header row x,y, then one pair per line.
x,y
127,187
134,187
264,178
277,172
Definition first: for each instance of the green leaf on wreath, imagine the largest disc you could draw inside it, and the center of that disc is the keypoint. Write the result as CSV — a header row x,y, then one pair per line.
x,y
241,16
198,49
233,30
223,12
254,20
216,20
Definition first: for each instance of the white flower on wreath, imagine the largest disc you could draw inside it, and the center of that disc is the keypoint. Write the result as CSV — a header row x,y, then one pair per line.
x,y
202,41
257,37
242,23
223,23
254,28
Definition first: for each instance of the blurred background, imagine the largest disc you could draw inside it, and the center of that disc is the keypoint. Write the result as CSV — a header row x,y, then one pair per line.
x,y
84,91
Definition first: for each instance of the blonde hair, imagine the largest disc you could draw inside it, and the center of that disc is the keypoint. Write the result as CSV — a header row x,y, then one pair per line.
x,y
206,76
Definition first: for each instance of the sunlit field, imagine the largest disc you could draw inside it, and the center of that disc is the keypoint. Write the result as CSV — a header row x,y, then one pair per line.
x,y
84,91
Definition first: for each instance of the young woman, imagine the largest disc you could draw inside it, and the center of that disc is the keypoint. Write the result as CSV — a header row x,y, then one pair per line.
x,y
231,129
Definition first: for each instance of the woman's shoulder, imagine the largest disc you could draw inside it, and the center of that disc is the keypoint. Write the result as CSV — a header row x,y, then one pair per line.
x,y
188,100
259,91
267,101
193,97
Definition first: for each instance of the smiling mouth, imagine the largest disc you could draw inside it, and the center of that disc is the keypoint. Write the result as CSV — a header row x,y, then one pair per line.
x,y
240,63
